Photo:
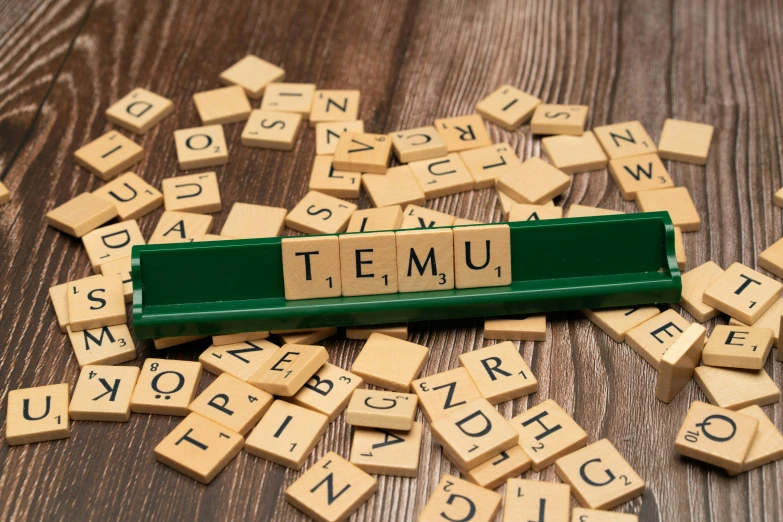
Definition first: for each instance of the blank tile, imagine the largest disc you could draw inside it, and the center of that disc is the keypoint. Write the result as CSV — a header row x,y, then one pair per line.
x,y
58,295
454,497
381,409
440,393
637,173
399,331
311,267
676,201
416,217
532,328
319,213
547,432
246,220
111,242
742,293
200,147
525,212
375,219
271,130
694,283
736,389
338,183
534,181
677,364
738,347
131,196
575,211
289,369
166,387
536,500
390,363
139,110
37,414
488,164
397,187
559,119
194,193
330,106
767,445
573,154
653,337
103,346
224,105
616,322
103,393
442,176
482,256
328,391
508,107
771,259
500,372
95,301
327,134
241,359
307,336
679,249
387,452
109,155
253,74
463,132
621,140
180,227
362,152
232,403
418,144
685,141
368,264
82,214
289,97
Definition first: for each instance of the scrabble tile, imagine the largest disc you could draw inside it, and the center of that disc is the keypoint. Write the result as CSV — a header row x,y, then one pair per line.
x,y
534,182
362,152
494,472
246,220
286,434
289,97
327,134
738,347
508,107
37,414
95,301
104,346
387,452
103,393
109,155
232,403
331,106
308,336
676,201
575,211
319,213
767,445
685,141
368,263
111,242
488,164
532,328
742,293
180,227
454,497
736,389
381,409
199,448
597,515
769,319
559,119
547,432
525,212
194,193
621,140
399,331
376,219
328,391
676,365
616,322
536,500
506,202
482,256
331,489
166,387
82,214
573,154
390,363
474,433
241,359
289,369
461,221
167,342
425,260
139,110
131,196
238,338
416,217
215,237
679,249
223,105
5,195
441,392
58,295
271,130
418,144
500,372
771,259
636,173
200,147
694,283
311,267
599,476
253,74
338,183
463,132
716,436
442,176
778,198
654,337
397,187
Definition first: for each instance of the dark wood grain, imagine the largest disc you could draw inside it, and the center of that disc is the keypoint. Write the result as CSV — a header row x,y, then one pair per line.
x,y
62,62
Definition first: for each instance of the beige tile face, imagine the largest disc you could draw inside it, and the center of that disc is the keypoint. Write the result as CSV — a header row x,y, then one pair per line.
x,y
338,183
232,403
327,134
770,319
716,436
286,434
166,387
37,414
531,328
616,322
368,263
387,452
362,152
500,372
454,497
676,366
398,331
742,293
390,363
334,106
474,433
199,448
162,343
5,195
81,214
381,409
103,393
685,141
131,196
736,389
505,201
440,393
308,336
738,347
318,213
652,338
559,119
200,147
508,107
375,219
621,140
442,176
416,217
246,220
600,478
139,110
109,155
311,267
536,500
289,97
328,391
598,515
112,242
586,211
525,212
223,340
534,181
253,74
767,445
676,201
418,144
463,132
771,259
488,164
181,227
331,489
494,472
461,221
105,346
194,193
271,130
694,283
482,256
679,249
95,301
241,359
547,432
573,154
425,260
58,295
397,187
289,369
224,105
637,173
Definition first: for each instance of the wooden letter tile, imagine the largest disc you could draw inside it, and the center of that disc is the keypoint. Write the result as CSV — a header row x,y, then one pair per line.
x,y
82,214
338,183
327,134
559,119
139,111
368,263
362,152
181,227
482,256
500,372
694,283
246,220
494,472
676,365
331,106
637,173
120,266
767,445
238,338
166,387
618,321
547,432
376,219
457,499
131,196
109,155
386,452
289,97
738,347
416,217
5,195
224,105
241,360
508,107
58,295
621,140
289,369
232,403
532,328
442,176
771,259
742,293
679,249
111,242
318,213
463,132
598,515
311,267
587,211
685,141
96,301
200,147
536,500
107,345
397,187
770,319
418,144
103,393
425,260
487,164
194,193
253,74
573,154
307,336
271,130
390,363
534,181
653,337
441,392
736,389
37,414
525,212
328,391
676,201
381,409
162,343
398,331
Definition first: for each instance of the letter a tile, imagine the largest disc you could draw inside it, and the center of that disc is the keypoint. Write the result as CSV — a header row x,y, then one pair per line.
x,y
181,227
387,452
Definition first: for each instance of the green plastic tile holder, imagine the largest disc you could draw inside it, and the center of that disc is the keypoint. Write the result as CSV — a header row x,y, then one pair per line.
x,y
222,287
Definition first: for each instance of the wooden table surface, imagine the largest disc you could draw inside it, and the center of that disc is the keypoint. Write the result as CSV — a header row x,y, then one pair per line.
x,y
63,62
